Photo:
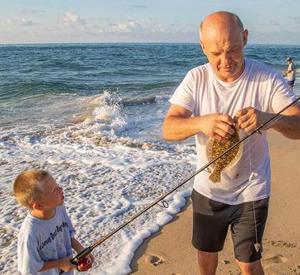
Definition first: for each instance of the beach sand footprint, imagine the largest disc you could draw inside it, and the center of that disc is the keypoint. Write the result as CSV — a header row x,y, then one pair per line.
x,y
155,260
277,259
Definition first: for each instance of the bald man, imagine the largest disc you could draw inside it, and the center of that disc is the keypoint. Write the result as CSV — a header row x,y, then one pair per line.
x,y
230,92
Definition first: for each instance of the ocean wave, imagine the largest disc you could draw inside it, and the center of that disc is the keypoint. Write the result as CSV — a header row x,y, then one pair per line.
x,y
103,112
22,89
139,101
109,107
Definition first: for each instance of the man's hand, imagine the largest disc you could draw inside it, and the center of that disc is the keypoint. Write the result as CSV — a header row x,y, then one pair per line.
x,y
249,118
219,126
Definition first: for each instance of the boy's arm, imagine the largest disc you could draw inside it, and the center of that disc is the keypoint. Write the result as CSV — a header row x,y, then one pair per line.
x,y
76,245
63,264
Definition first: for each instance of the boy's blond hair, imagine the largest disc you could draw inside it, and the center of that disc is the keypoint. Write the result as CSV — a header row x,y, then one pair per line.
x,y
27,187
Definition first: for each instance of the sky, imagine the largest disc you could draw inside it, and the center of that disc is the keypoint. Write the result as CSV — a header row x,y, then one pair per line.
x,y
167,21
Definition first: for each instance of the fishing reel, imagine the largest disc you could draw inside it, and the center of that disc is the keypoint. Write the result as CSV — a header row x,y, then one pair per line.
x,y
81,261
82,264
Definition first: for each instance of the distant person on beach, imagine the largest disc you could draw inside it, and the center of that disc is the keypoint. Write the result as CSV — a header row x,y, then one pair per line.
x,y
213,101
290,73
46,237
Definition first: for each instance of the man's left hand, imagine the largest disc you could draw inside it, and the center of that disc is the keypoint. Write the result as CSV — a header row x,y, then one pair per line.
x,y
249,119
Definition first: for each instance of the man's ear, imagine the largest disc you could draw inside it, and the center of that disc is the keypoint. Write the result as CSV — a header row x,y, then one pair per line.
x,y
202,47
245,37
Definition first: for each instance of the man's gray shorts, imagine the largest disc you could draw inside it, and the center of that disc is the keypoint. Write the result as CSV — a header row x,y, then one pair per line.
x,y
211,220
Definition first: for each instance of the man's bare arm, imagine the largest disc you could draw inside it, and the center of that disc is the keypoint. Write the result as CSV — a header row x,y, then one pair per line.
x,y
288,123
179,124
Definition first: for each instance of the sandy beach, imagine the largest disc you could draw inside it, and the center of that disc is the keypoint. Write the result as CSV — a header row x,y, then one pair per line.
x,y
170,250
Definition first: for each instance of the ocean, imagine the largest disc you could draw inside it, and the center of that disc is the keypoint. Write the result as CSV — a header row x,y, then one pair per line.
x,y
91,114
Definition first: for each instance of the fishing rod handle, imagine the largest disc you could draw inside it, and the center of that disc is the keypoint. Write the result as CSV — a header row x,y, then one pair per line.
x,y
79,256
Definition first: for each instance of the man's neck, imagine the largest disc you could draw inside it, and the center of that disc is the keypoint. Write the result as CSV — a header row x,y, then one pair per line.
x,y
44,214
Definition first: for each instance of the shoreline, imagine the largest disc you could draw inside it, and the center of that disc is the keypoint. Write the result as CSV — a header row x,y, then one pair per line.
x,y
170,251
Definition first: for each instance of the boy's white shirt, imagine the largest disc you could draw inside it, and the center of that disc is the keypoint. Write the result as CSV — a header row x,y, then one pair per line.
x,y
202,93
44,240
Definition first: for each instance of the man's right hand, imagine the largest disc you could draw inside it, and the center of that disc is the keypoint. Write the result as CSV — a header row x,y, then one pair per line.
x,y
217,125
179,124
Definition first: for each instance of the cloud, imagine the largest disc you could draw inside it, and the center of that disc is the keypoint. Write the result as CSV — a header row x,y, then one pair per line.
x,y
274,23
132,26
20,22
135,6
72,19
139,6
297,20
32,12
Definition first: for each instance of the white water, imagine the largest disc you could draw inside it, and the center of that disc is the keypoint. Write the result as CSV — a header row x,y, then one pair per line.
x,y
106,177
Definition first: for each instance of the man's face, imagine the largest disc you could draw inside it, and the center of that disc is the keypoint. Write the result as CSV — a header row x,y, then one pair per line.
x,y
225,53
53,194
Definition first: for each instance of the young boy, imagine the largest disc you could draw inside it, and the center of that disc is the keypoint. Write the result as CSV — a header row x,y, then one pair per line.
x,y
46,237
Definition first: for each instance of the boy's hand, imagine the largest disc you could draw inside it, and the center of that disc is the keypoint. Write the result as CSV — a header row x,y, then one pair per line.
x,y
84,263
66,265
91,257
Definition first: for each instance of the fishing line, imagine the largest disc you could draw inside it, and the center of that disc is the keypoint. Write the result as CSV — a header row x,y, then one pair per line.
x,y
86,251
256,245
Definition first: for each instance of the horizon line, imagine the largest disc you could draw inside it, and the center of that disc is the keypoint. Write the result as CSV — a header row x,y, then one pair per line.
x,y
101,43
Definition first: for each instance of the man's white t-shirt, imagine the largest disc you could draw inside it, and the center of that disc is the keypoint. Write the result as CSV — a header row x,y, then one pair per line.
x,y
202,93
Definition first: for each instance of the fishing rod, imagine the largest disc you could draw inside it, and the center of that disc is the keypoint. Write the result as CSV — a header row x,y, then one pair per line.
x,y
78,258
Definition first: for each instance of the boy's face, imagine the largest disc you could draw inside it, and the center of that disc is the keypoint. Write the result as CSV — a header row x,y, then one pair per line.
x,y
53,194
